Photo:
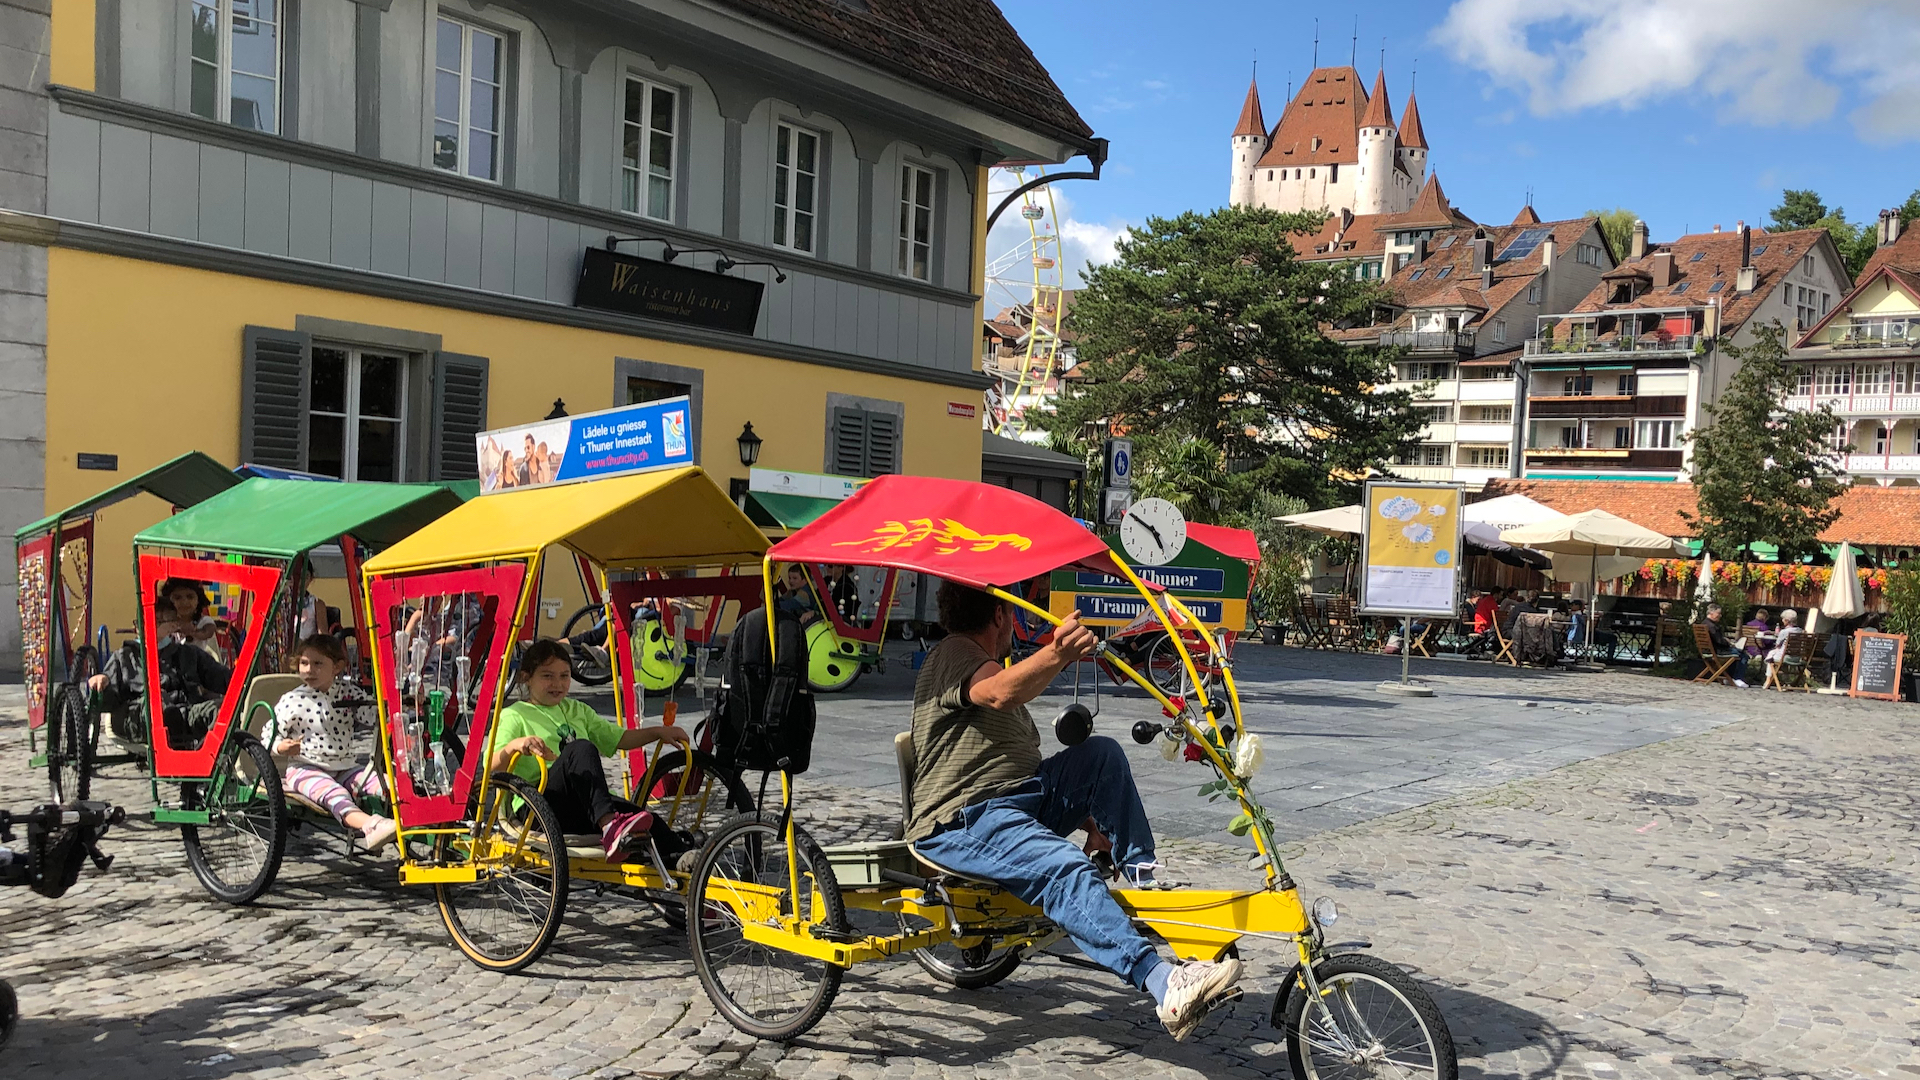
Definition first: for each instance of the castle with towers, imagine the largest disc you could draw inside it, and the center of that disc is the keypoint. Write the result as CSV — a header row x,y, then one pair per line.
x,y
1336,147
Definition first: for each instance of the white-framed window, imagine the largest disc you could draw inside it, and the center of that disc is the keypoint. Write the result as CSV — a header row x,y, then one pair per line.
x,y
796,181
1839,438
1833,380
1655,434
916,223
358,413
1879,440
1873,379
1802,381
1500,331
1485,457
1422,370
647,124
1488,414
1578,386
1533,293
234,63
1489,374
1437,414
469,73
1426,454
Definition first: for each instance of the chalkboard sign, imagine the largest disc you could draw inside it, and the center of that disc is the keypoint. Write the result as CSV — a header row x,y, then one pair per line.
x,y
1876,664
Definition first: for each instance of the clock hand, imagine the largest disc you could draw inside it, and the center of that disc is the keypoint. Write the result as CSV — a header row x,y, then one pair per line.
x,y
1157,538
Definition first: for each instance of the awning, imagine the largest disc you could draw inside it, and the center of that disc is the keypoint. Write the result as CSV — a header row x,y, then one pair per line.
x,y
1239,544
287,518
191,478
773,510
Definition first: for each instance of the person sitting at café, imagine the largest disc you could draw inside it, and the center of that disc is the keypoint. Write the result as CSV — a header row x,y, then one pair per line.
x,y
1604,641
1789,626
1758,631
987,806
1485,610
1724,646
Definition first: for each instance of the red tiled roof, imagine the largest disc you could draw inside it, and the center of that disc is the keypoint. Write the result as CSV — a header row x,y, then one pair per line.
x,y
1526,216
1904,252
1899,260
1328,107
1411,136
965,48
1379,109
1430,210
1718,260
1870,515
1367,234
1510,277
1251,120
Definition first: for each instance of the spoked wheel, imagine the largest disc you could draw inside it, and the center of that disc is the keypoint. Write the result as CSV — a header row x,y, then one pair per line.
x,y
743,879
833,662
1377,1022
9,1012
659,660
713,794
974,966
508,916
69,743
236,855
590,662
1169,674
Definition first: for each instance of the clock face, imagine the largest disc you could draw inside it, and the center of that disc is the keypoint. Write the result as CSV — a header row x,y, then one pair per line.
x,y
1154,532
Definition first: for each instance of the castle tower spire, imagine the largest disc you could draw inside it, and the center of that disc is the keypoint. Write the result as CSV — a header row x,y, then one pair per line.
x,y
1379,109
1252,122
1250,142
1413,143
1383,188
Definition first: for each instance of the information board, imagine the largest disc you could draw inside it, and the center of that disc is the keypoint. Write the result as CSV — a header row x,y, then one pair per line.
x,y
1212,585
1876,664
1410,547
632,438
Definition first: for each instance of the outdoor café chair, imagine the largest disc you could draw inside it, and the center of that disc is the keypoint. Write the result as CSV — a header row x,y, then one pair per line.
x,y
1713,667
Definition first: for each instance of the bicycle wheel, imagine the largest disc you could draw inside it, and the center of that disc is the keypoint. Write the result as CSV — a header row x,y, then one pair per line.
x,y
237,853
508,916
69,743
833,662
972,967
1377,1021
659,662
741,879
590,663
713,794
9,1011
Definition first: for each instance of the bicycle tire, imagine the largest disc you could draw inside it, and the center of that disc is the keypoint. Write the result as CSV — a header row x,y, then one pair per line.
x,y
587,668
69,744
1310,1037
251,811
551,878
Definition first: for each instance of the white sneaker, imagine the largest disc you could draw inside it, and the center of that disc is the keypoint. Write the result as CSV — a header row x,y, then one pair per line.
x,y
1740,683
1189,989
379,834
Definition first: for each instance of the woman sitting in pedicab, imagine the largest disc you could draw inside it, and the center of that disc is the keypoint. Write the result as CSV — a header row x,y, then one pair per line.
x,y
313,728
192,681
550,725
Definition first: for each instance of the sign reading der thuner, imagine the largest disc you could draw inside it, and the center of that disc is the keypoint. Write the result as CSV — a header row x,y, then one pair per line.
x,y
1410,549
632,438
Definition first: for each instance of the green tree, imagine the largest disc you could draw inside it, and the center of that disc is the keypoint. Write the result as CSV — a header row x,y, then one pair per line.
x,y
1764,473
1617,226
1910,209
1204,339
1802,209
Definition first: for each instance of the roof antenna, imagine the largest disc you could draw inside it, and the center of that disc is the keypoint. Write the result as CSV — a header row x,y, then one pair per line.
x,y
1383,54
1414,82
1316,43
1353,57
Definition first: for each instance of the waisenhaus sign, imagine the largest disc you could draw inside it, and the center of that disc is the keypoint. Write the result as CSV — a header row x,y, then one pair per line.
x,y
658,290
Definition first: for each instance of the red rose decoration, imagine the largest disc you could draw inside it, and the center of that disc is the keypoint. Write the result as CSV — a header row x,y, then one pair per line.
x,y
1194,753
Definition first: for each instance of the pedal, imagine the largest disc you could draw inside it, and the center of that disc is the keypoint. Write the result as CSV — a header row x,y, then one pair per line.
x,y
1231,995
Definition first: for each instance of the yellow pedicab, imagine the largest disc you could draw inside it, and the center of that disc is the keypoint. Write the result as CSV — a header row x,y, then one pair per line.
x,y
448,608
770,936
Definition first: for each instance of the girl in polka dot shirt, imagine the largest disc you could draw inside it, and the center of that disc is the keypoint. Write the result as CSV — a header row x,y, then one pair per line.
x,y
313,739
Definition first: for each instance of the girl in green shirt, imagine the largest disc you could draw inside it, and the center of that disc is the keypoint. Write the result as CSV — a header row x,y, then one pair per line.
x,y
573,738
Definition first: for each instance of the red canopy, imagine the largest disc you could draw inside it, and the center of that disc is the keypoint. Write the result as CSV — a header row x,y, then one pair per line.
x,y
1234,543
973,533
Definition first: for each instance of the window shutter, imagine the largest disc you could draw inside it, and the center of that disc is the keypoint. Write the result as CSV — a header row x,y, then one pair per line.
x,y
276,376
459,415
850,441
883,443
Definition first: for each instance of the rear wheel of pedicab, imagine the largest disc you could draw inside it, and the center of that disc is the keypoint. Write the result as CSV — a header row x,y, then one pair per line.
x,y
1169,674
970,967
237,853
9,1011
590,663
69,743
833,662
742,877
1377,1022
506,918
713,794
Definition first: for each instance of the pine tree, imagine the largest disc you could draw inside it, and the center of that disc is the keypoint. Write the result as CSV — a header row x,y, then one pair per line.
x,y
1764,473
1206,338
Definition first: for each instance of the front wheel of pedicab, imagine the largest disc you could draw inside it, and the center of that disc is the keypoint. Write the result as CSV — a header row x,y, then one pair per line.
x,y
1377,1021
236,854
743,878
975,966
69,743
507,916
9,1012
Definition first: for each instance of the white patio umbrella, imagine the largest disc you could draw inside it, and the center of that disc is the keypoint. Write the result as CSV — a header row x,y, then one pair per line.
x,y
1594,541
1509,512
1844,600
1339,521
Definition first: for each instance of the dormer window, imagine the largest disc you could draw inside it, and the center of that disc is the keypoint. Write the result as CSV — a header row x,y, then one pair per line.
x,y
1697,256
1445,271
1316,142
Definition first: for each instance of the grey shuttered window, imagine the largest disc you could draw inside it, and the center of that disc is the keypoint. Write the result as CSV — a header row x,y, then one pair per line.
x,y
865,443
276,369
459,414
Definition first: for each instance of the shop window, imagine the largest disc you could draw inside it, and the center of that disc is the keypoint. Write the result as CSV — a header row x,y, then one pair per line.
x,y
863,437
468,77
796,176
234,62
916,223
647,125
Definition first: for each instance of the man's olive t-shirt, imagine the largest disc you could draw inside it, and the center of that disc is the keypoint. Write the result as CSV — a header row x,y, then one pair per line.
x,y
963,752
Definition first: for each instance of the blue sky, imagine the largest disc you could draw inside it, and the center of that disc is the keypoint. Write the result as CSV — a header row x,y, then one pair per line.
x,y
1689,112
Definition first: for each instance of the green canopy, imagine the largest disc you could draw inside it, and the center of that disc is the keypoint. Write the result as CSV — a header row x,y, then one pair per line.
x,y
288,518
771,510
191,478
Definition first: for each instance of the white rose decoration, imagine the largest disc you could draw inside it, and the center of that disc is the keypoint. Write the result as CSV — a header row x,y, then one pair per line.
x,y
1248,756
1170,749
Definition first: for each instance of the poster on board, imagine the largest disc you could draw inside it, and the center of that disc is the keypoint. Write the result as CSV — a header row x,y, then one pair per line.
x,y
1410,549
632,438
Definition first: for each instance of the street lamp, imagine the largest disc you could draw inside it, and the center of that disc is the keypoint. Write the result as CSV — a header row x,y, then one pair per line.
x,y
749,445
559,409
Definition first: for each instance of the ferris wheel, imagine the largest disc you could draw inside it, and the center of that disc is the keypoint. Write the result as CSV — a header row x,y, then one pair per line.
x,y
1027,284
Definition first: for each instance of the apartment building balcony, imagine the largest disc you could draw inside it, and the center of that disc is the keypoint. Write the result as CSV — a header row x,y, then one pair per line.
x,y
1897,332
1646,345
1899,465
1425,473
1430,342
1864,405
1560,406
1492,391
1498,434
1439,432
1579,457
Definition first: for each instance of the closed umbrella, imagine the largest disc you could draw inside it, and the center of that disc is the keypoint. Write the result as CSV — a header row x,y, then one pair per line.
x,y
1595,541
1844,600
1703,588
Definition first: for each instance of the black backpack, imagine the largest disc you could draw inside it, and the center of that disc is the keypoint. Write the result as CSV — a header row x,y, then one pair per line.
x,y
765,709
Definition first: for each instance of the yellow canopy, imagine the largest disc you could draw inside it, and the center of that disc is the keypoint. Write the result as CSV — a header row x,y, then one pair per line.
x,y
675,517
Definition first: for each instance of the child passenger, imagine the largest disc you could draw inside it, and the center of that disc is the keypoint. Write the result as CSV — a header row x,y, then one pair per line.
x,y
313,734
569,734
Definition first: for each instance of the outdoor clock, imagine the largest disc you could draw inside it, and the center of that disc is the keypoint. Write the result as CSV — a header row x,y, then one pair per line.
x,y
1154,532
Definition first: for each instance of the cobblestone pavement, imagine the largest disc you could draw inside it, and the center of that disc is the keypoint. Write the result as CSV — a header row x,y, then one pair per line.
x,y
1743,901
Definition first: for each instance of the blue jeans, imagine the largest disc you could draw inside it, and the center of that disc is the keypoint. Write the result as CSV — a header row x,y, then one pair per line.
x,y
1019,843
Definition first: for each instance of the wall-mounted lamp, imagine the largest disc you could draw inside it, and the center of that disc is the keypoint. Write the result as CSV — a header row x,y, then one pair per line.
x,y
749,445
726,264
559,409
668,253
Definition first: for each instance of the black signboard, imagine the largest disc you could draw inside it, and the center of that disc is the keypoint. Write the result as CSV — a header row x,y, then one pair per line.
x,y
1876,664
658,290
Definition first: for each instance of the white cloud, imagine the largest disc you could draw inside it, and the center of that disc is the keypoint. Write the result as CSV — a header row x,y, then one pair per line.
x,y
1763,61
1082,243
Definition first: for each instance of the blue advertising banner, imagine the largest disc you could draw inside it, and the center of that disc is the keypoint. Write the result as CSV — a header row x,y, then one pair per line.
x,y
632,438
1127,608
